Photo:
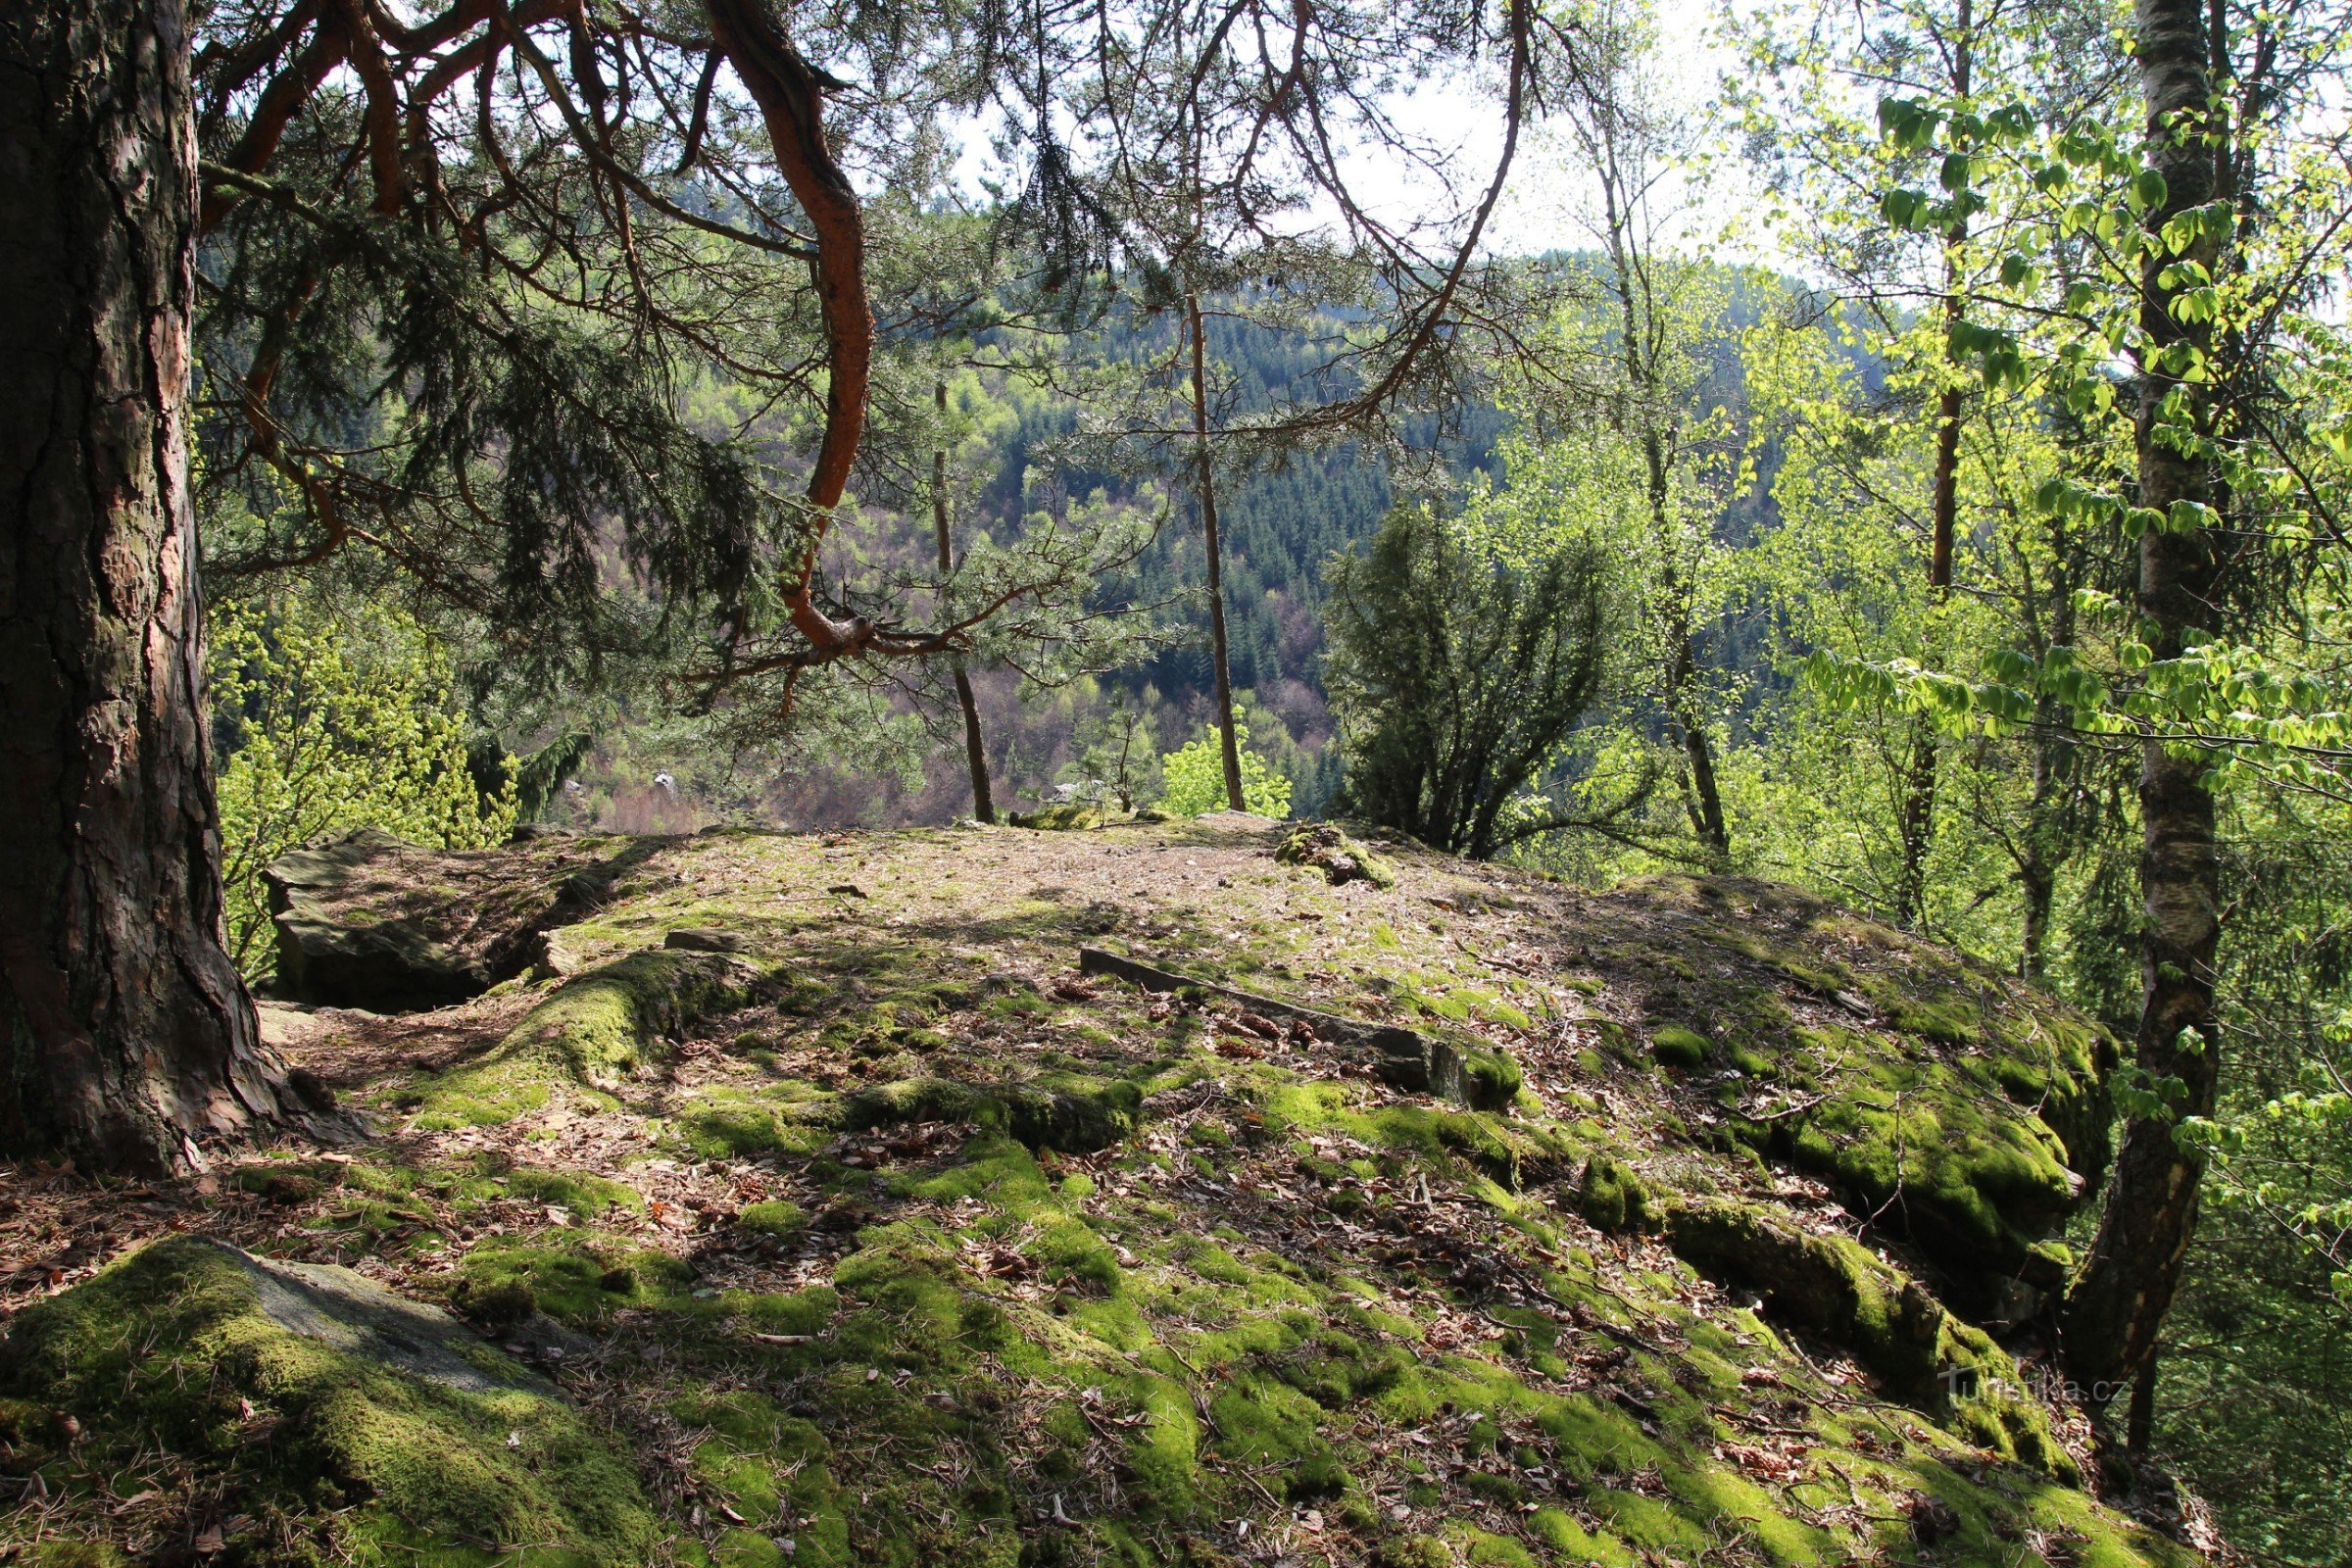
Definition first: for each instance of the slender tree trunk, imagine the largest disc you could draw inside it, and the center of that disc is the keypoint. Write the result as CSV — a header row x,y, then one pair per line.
x,y
1706,794
2118,1300
2046,850
1682,669
1207,469
1918,815
975,749
126,1037
2139,1427
1639,325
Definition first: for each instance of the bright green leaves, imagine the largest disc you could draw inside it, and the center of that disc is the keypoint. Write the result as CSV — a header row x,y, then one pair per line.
x,y
2147,191
2185,518
2063,498
1910,125
1195,777
1913,210
1995,351
1907,125
2185,229
336,719
2086,396
1905,209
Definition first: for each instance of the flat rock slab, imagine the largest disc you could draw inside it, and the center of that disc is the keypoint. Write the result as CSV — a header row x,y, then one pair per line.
x,y
354,1314
373,921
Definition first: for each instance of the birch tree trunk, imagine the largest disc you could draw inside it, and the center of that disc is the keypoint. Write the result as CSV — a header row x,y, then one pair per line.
x,y
2118,1300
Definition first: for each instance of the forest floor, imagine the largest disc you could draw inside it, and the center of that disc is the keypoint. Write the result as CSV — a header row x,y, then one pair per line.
x,y
891,1237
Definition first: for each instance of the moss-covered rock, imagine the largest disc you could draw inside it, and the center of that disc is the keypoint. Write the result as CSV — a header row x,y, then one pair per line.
x,y
1341,858
1891,1322
1612,1198
1674,1046
321,1417
1069,817
944,1255
595,1030
1932,1094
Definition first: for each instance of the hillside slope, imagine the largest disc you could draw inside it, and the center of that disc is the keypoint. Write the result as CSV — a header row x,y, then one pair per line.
x,y
828,1210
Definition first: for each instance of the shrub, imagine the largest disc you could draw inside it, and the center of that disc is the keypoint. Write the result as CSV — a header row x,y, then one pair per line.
x,y
1194,778
1457,677
327,724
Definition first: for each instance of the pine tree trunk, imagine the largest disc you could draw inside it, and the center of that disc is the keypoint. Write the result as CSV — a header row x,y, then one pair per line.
x,y
2119,1302
975,746
1223,668
126,1036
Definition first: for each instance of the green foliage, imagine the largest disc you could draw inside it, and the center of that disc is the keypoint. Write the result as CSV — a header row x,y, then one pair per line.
x,y
1459,675
1194,779
329,721
544,771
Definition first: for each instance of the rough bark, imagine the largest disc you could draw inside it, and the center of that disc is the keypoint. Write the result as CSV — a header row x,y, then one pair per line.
x,y
127,1038
975,746
1207,484
2118,1304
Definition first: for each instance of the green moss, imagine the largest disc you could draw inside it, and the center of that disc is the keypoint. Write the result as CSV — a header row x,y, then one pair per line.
x,y
1058,818
1977,1176
1676,1046
1491,1079
564,1277
1340,859
589,1197
1070,1112
1482,1549
1893,1324
169,1348
776,1217
1577,1545
1650,1524
595,1030
1611,1197
1163,1459
1005,1332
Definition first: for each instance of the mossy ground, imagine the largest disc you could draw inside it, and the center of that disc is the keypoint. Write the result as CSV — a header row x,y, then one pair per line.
x,y
164,1390
931,1252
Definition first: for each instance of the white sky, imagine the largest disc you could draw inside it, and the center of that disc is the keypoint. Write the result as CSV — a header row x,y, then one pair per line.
x,y
1545,202
1549,201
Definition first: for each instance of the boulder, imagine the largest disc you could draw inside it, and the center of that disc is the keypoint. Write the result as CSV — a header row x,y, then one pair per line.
x,y
1401,1057
705,939
1073,816
291,1391
333,960
1338,857
373,921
